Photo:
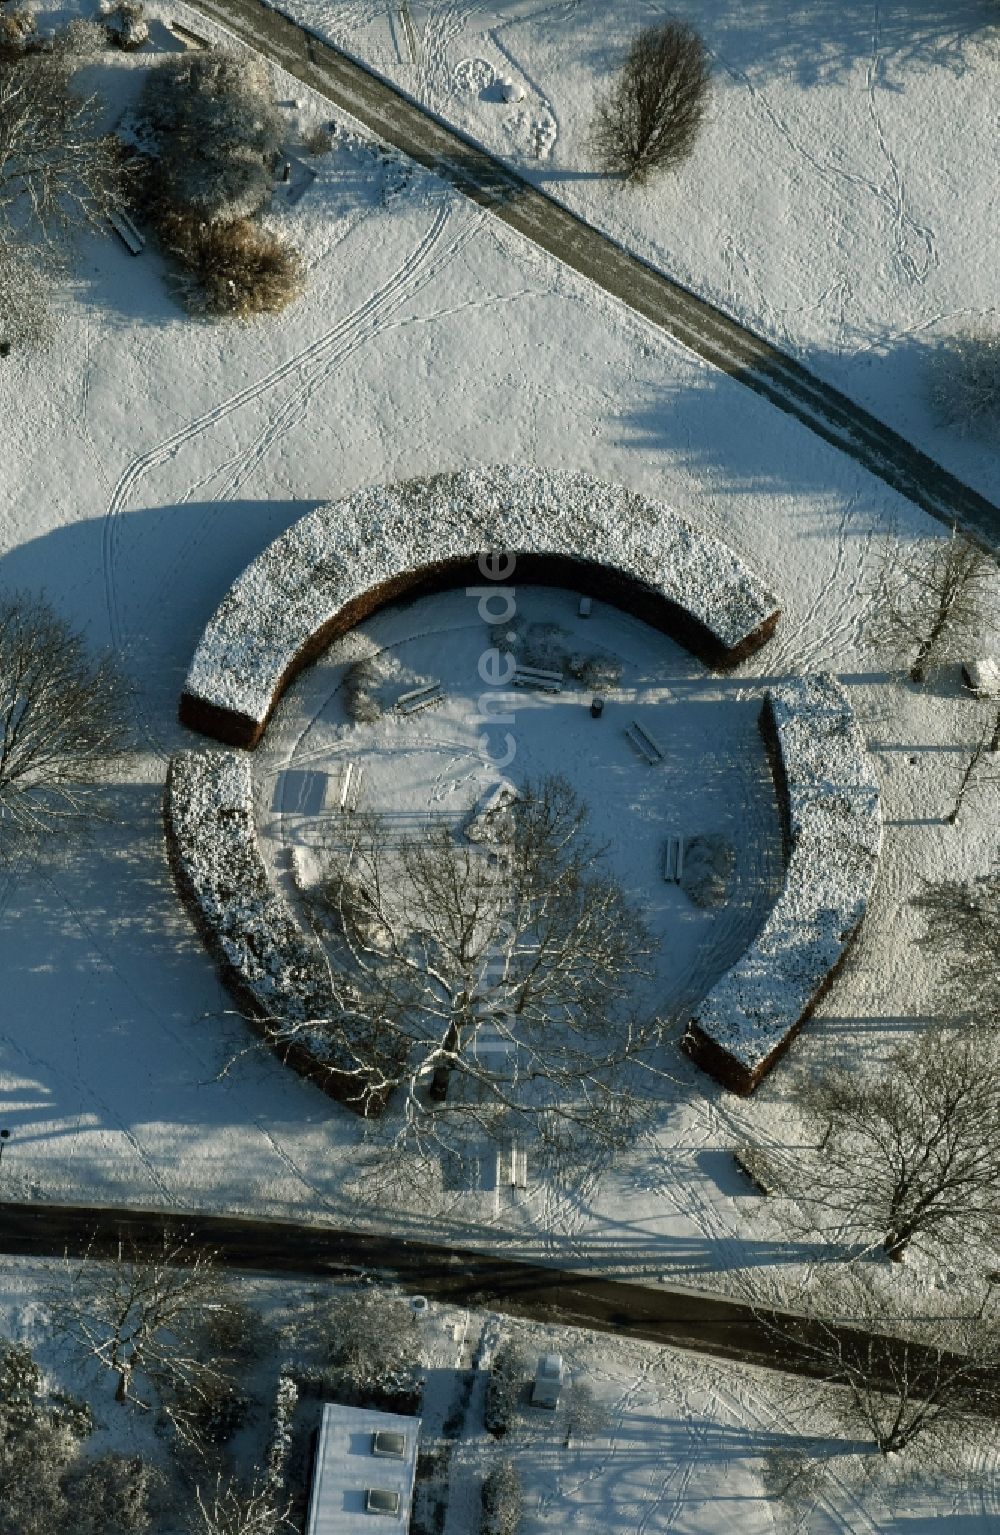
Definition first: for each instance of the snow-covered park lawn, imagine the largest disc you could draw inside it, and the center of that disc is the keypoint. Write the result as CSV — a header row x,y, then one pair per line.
x,y
839,200
146,458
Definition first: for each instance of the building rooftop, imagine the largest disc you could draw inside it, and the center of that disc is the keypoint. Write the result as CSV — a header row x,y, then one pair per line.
x,y
363,1476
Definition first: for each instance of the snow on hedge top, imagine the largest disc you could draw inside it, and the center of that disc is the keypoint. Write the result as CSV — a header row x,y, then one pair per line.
x,y
342,549
835,830
211,821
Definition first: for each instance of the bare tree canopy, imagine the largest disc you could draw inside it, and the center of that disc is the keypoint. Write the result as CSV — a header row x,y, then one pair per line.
x,y
899,1378
963,934
63,724
58,168
501,976
650,117
934,602
141,1313
912,1151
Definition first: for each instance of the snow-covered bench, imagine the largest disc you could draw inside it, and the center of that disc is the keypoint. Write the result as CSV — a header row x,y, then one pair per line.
x,y
833,830
346,559
277,972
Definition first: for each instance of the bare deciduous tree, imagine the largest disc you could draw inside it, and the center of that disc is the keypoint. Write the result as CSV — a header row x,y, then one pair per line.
x,y
141,1313
899,1377
973,776
650,117
233,1509
63,725
934,600
911,1151
502,977
962,932
59,170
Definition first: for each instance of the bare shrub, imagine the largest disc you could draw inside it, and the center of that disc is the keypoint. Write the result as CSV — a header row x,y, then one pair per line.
x,y
25,311
234,268
709,861
964,382
649,119
231,1508
319,141
369,1340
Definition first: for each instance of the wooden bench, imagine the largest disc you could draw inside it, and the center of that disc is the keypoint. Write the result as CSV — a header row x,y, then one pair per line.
x,y
644,743
187,37
127,232
348,789
419,698
538,677
673,860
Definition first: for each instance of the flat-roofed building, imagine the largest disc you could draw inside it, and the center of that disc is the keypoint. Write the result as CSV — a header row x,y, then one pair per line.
x,y
363,1477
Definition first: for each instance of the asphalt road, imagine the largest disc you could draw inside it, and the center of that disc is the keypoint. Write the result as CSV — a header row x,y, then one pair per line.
x,y
698,325
660,1314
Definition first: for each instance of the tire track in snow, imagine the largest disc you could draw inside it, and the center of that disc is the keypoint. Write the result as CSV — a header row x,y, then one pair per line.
x,y
135,472
350,336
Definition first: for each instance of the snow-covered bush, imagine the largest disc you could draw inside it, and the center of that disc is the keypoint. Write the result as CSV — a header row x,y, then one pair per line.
x,y
80,39
508,1373
17,29
127,25
708,869
232,267
833,828
964,375
371,1343
503,1500
279,1447
365,687
217,132
111,1496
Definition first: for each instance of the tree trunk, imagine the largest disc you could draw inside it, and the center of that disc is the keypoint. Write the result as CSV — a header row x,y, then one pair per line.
x,y
442,1074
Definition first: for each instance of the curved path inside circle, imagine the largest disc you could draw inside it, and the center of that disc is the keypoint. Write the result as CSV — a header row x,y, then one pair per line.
x,y
693,321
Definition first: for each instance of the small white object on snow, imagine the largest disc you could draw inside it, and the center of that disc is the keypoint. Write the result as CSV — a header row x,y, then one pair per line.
x,y
585,607
511,90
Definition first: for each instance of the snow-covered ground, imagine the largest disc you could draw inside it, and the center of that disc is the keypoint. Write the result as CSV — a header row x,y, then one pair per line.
x,y
658,1440
147,458
839,200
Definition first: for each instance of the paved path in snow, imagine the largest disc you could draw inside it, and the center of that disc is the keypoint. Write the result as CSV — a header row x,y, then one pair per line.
x,y
665,1315
398,120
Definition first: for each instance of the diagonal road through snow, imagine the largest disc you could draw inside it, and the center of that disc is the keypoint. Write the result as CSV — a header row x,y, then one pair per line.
x,y
687,318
